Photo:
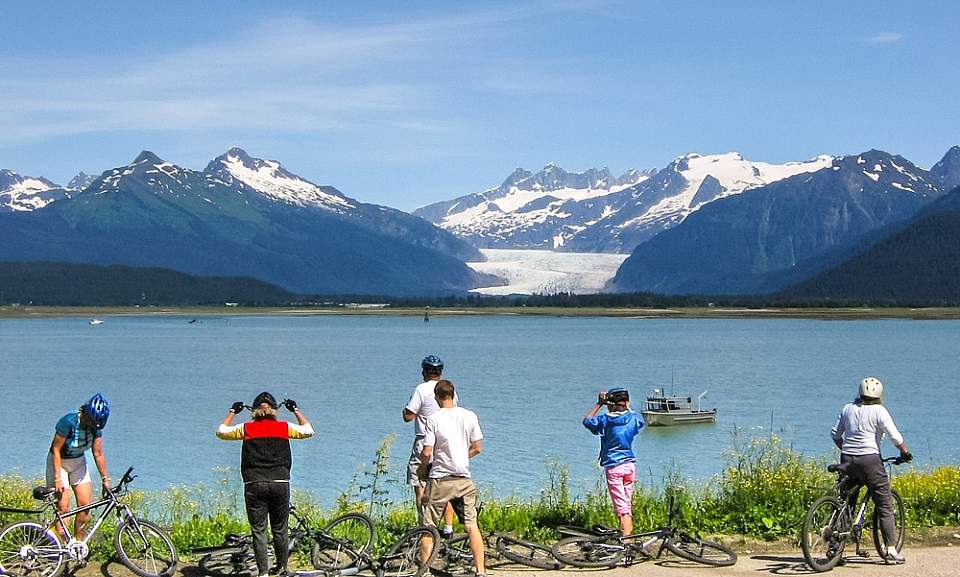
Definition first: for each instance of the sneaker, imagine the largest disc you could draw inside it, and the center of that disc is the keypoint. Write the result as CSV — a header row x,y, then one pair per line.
x,y
893,557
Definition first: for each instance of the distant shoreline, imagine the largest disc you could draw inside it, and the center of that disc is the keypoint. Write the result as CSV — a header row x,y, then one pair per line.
x,y
952,313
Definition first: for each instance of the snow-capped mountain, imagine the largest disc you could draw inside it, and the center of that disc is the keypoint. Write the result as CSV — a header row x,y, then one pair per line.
x,y
81,181
269,178
531,210
772,236
152,213
25,193
593,212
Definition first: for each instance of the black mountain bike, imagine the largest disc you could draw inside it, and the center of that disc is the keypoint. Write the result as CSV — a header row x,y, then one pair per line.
x,y
837,518
340,544
608,547
36,548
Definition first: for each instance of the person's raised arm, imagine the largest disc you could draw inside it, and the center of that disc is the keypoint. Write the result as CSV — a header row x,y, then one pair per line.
x,y
303,429
227,431
588,419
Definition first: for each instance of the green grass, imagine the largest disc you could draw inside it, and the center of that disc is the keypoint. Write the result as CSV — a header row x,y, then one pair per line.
x,y
762,492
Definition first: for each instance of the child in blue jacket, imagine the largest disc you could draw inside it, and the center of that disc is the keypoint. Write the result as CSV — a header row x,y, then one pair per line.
x,y
617,429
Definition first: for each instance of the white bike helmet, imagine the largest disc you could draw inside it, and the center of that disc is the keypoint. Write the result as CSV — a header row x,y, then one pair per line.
x,y
871,388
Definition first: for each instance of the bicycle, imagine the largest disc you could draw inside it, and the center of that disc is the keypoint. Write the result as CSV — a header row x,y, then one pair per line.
x,y
405,558
457,557
35,548
340,544
834,519
608,547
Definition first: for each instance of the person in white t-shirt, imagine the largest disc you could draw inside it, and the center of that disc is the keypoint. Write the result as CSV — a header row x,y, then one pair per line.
x,y
451,438
860,427
421,405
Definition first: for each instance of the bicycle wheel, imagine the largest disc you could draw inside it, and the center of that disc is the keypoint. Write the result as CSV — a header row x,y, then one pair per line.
x,y
526,553
232,562
823,535
410,556
30,550
900,522
145,548
581,551
343,542
699,550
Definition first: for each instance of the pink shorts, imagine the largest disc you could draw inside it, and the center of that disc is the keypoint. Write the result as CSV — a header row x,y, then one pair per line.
x,y
620,479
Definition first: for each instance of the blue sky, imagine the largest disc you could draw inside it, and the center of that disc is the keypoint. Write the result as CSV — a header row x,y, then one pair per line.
x,y
407,103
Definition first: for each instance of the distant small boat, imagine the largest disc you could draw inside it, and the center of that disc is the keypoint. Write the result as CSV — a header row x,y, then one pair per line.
x,y
663,410
96,322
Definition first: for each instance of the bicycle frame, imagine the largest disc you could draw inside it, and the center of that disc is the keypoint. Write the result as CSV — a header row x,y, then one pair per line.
x,y
848,493
109,503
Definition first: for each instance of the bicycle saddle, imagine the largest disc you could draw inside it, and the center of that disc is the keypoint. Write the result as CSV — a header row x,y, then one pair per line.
x,y
838,468
234,539
41,493
605,531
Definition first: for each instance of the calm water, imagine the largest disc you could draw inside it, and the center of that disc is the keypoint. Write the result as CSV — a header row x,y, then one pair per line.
x,y
529,379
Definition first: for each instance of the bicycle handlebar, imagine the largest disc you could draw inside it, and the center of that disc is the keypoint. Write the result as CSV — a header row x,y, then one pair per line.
x,y
280,404
898,460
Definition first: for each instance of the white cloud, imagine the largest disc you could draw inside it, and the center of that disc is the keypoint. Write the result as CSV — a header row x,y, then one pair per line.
x,y
291,75
881,38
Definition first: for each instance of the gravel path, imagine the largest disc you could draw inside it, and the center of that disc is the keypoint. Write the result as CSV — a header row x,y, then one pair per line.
x,y
921,562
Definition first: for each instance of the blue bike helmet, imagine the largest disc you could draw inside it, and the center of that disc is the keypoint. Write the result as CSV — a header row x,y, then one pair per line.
x,y
97,409
432,363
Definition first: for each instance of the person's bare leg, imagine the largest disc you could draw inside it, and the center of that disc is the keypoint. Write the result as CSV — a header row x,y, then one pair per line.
x,y
63,505
626,524
476,547
448,515
426,543
84,494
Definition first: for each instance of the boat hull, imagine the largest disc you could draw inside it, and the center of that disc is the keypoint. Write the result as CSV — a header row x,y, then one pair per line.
x,y
654,419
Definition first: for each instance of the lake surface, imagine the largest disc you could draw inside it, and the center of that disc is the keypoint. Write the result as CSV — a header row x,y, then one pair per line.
x,y
530,379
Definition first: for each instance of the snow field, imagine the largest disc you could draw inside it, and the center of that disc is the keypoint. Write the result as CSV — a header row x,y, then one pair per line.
x,y
547,272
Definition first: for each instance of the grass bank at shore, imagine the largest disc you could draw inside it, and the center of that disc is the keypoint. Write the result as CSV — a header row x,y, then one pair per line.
x,y
761,496
839,313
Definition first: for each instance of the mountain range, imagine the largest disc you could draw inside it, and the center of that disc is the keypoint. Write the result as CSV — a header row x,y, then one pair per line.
x,y
914,262
241,216
705,224
594,212
771,237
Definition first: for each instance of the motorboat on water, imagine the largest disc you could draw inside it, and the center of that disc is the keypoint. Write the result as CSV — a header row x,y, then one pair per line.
x,y
662,410
96,322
